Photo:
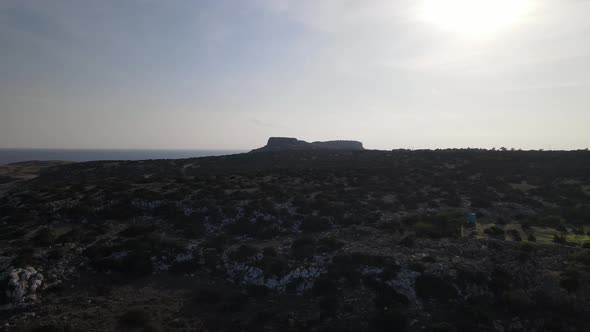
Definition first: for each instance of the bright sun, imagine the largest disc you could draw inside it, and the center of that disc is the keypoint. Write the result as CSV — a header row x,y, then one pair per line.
x,y
474,17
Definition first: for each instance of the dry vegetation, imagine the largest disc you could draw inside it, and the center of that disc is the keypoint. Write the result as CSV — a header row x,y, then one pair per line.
x,y
304,240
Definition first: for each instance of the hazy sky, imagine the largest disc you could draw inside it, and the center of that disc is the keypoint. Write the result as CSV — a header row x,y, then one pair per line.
x,y
229,74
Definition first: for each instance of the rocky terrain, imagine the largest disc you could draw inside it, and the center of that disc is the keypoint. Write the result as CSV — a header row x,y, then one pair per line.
x,y
300,240
289,144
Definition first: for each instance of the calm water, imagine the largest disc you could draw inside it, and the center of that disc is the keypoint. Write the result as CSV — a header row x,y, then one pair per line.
x,y
15,155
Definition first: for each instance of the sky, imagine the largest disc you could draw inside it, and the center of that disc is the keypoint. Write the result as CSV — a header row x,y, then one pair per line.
x,y
228,74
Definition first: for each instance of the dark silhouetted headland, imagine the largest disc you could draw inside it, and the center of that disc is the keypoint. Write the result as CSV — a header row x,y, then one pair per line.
x,y
288,143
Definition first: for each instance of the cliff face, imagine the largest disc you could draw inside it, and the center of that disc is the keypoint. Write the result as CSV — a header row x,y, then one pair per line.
x,y
287,143
339,145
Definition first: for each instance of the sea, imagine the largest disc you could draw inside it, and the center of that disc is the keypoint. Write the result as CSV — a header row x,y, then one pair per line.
x,y
8,156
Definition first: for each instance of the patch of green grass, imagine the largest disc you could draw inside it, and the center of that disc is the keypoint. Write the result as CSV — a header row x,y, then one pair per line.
x,y
544,235
581,239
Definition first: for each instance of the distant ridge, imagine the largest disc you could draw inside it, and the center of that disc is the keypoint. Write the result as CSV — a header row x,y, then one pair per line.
x,y
38,163
288,143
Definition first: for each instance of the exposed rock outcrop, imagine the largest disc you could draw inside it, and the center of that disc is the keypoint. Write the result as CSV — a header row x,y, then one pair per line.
x,y
22,285
287,143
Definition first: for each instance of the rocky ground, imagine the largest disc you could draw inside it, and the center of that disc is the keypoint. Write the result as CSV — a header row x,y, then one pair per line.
x,y
306,240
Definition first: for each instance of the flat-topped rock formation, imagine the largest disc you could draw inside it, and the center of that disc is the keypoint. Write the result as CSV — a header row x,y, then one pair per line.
x,y
288,143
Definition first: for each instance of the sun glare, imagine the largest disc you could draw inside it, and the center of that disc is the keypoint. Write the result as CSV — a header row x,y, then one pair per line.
x,y
474,17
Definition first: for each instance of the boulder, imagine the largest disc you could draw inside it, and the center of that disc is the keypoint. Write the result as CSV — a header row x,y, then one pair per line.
x,y
22,285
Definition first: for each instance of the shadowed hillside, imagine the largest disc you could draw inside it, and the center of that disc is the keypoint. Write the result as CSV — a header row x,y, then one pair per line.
x,y
296,240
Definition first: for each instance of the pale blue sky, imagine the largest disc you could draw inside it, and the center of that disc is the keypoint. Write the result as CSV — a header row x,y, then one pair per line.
x,y
230,73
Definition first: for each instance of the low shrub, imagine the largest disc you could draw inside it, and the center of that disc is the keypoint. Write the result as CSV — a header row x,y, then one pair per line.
x,y
324,287
273,265
390,319
495,232
54,327
329,244
427,229
429,286
137,230
548,220
500,281
193,229
270,252
329,304
315,224
184,267
514,234
441,225
303,247
517,301
407,241
442,327
386,296
44,237
583,257
208,296
570,281
136,265
233,303
24,257
135,318
3,290
242,253
559,239
72,236
57,253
